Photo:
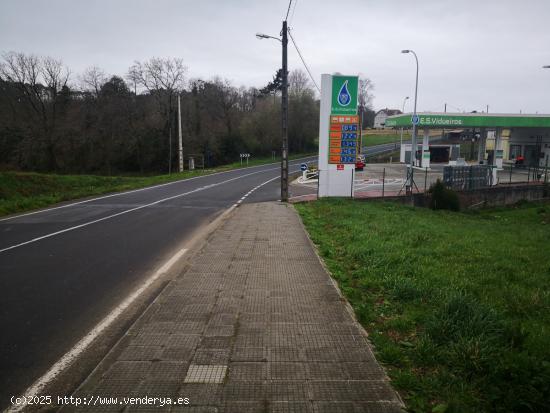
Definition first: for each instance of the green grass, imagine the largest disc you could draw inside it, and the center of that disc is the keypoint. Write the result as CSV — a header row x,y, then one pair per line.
x,y
372,139
24,191
456,304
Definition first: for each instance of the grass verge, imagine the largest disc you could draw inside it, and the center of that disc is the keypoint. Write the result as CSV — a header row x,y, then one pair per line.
x,y
378,139
24,191
456,304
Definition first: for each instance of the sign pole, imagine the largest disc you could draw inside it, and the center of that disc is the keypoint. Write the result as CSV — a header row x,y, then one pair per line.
x,y
180,140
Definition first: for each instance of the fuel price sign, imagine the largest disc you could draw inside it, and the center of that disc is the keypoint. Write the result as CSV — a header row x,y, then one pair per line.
x,y
343,136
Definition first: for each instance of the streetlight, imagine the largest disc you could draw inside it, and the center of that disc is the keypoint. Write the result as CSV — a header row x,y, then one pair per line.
x,y
403,111
413,140
284,110
546,67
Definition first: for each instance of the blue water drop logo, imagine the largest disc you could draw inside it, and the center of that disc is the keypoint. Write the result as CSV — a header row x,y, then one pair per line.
x,y
344,98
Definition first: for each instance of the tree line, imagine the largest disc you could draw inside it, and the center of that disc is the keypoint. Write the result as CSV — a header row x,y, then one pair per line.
x,y
94,123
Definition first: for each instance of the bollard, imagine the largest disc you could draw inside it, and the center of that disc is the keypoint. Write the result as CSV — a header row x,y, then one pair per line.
x,y
383,181
425,179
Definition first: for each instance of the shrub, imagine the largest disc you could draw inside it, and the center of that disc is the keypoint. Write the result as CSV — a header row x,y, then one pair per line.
x,y
443,198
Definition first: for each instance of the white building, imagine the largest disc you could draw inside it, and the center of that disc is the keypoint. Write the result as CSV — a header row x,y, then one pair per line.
x,y
381,115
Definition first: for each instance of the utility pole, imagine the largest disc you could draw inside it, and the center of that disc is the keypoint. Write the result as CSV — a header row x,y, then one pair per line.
x,y
180,140
284,110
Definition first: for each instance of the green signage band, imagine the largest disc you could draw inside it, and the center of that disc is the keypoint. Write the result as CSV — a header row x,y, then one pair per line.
x,y
344,95
445,120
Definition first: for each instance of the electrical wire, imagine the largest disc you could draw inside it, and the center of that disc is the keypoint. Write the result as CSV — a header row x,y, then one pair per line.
x,y
303,61
288,11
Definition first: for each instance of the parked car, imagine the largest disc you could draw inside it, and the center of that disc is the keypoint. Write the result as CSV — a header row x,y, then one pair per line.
x,y
360,163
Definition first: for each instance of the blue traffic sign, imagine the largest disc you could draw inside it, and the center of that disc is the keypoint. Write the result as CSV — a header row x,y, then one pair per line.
x,y
303,167
415,120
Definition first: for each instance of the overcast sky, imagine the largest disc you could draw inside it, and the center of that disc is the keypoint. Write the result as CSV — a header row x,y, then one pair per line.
x,y
471,53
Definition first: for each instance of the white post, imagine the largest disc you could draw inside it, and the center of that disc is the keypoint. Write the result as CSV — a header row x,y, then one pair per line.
x,y
180,140
426,149
498,148
481,147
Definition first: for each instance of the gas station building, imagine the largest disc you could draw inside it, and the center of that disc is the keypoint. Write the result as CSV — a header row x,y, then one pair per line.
x,y
502,137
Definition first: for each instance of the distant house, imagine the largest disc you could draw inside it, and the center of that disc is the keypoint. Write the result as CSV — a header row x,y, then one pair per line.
x,y
381,115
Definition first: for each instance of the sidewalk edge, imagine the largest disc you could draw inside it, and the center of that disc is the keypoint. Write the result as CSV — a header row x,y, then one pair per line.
x,y
347,305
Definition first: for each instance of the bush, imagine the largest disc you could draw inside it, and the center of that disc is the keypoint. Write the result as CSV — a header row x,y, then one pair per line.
x,y
443,198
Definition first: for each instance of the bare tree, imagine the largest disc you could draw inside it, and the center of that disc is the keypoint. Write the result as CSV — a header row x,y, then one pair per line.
x,y
40,81
299,83
93,80
365,97
158,74
163,78
366,88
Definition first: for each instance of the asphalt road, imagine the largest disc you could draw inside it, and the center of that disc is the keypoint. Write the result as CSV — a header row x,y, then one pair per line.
x,y
63,269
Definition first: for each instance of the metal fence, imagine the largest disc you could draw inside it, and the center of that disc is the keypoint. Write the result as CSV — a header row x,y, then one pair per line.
x,y
514,174
467,178
383,180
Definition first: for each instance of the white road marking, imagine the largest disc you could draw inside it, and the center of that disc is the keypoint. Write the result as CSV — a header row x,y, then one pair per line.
x,y
84,343
137,190
126,212
253,189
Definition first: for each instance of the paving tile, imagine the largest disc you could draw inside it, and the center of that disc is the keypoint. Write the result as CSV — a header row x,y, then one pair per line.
x,y
318,371
206,373
245,407
216,342
155,387
122,370
247,371
288,390
202,394
244,391
287,371
211,356
141,353
170,369
249,354
176,353
290,407
333,407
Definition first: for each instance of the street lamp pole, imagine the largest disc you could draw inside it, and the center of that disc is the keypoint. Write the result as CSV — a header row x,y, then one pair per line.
x,y
284,109
410,180
402,111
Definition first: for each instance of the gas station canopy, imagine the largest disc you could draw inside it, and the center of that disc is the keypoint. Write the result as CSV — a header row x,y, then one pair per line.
x,y
469,120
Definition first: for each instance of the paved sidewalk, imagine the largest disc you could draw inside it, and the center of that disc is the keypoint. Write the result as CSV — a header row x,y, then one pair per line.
x,y
254,325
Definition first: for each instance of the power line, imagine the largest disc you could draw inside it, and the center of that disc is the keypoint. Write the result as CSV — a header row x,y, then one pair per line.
x,y
288,11
303,61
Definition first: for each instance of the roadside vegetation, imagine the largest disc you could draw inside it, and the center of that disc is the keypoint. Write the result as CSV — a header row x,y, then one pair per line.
x,y
54,121
24,191
370,139
456,304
